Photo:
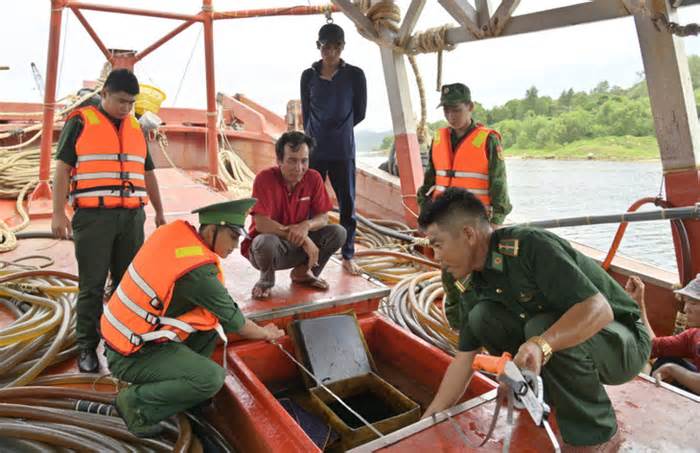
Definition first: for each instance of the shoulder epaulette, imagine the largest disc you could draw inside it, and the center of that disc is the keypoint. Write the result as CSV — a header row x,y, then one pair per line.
x,y
509,247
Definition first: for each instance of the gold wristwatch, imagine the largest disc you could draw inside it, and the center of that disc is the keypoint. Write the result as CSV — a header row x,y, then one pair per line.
x,y
544,347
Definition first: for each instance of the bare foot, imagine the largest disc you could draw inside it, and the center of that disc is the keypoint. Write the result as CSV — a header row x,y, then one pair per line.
x,y
351,267
260,292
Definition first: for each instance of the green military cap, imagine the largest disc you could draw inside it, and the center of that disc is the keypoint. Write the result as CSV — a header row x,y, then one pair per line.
x,y
454,93
692,289
228,213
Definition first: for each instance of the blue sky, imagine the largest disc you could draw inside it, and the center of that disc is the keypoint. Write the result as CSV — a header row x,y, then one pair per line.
x,y
263,58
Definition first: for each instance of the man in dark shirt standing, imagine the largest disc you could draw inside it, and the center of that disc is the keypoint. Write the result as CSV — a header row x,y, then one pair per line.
x,y
333,101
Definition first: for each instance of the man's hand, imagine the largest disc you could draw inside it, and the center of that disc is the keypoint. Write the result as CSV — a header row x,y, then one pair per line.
x,y
529,357
635,288
160,219
60,225
298,233
429,413
272,332
667,372
312,251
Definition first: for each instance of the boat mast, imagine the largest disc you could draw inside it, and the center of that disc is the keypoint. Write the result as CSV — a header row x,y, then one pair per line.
x,y
40,201
212,141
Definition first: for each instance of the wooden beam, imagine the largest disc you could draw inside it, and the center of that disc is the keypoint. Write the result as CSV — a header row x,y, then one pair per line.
x,y
675,119
670,93
484,10
409,21
465,15
546,20
359,19
566,16
405,140
502,15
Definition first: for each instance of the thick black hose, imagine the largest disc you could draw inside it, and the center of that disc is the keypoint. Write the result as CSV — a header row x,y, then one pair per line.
x,y
209,436
37,235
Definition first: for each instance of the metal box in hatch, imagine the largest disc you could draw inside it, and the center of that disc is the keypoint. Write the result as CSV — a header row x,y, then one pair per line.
x,y
334,350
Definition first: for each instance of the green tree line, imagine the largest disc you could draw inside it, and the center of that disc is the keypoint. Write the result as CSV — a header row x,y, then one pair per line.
x,y
536,121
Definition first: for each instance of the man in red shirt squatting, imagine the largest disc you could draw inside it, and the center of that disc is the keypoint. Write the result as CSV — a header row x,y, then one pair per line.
x,y
678,355
290,227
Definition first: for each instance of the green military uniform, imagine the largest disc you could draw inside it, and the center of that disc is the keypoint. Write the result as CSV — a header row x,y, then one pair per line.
x,y
168,378
106,240
530,278
498,184
498,189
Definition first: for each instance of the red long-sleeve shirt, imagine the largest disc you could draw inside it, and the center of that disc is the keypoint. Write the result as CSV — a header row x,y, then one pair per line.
x,y
685,345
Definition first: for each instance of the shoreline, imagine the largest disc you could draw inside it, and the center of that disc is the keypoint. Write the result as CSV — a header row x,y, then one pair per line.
x,y
523,156
572,158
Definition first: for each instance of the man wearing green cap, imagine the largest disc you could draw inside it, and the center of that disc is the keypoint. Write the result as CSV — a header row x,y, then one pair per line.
x,y
555,310
161,324
468,155
104,168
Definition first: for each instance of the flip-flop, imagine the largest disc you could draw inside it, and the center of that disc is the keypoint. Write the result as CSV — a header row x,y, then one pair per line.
x,y
312,282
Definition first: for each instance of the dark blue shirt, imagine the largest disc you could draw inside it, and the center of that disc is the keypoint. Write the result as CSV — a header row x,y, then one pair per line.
x,y
331,108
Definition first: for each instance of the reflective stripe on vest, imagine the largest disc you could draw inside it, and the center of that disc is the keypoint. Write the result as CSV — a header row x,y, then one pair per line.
x,y
141,283
467,167
137,193
135,313
108,160
108,175
461,174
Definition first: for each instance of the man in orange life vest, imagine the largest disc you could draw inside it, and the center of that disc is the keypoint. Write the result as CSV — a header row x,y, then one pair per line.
x,y
468,155
162,323
103,163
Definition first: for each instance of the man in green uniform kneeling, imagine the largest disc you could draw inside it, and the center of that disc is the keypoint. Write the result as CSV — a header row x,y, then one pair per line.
x,y
468,155
555,310
162,323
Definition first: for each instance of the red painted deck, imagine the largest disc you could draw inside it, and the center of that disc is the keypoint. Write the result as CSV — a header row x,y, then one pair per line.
x,y
651,419
180,194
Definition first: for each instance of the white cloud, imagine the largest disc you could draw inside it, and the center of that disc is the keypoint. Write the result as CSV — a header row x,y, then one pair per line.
x,y
264,57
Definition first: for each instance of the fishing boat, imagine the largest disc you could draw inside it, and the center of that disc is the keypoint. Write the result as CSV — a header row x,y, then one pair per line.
x,y
205,156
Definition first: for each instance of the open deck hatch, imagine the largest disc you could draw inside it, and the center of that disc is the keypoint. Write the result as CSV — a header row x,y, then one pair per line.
x,y
334,349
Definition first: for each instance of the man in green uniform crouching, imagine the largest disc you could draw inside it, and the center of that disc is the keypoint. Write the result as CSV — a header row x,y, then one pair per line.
x,y
555,310
162,323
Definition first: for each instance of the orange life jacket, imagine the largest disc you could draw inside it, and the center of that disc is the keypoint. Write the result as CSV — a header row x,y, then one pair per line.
x,y
110,169
467,167
134,314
